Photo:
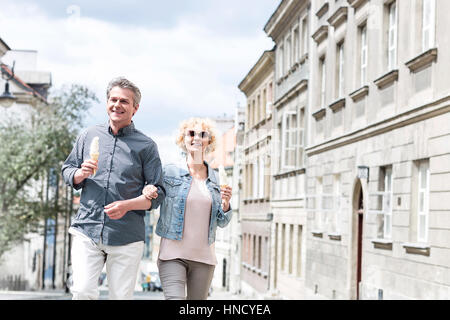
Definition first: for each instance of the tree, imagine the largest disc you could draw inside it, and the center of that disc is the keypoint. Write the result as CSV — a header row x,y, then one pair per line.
x,y
28,151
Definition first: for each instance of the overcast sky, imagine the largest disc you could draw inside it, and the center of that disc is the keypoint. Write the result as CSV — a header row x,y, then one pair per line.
x,y
187,56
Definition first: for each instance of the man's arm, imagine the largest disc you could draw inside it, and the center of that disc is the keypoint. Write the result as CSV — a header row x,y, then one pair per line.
x,y
73,164
74,169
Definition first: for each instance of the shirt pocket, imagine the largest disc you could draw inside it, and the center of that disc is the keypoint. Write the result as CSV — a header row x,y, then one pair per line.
x,y
172,186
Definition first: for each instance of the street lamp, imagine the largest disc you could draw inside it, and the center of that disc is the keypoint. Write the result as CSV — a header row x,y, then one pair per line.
x,y
7,98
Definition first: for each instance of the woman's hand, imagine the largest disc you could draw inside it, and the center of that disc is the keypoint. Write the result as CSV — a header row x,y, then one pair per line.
x,y
225,192
150,192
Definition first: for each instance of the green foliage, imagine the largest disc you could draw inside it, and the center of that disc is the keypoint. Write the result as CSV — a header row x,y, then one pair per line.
x,y
29,148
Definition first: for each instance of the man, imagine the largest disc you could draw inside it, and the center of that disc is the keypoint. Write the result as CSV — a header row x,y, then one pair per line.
x,y
105,229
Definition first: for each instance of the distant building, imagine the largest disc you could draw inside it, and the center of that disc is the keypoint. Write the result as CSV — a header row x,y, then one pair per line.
x,y
255,211
31,265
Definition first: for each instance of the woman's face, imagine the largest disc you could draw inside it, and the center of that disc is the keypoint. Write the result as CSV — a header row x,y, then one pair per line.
x,y
196,139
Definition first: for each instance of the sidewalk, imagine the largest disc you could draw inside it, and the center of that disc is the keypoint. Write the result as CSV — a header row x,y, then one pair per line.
x,y
35,295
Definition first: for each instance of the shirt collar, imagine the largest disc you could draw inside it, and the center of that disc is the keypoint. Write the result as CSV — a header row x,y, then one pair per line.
x,y
123,131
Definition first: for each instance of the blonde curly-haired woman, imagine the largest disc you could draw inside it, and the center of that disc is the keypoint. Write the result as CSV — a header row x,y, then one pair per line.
x,y
193,208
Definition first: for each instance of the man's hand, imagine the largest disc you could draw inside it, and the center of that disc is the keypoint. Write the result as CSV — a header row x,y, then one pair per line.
x,y
87,169
116,210
150,192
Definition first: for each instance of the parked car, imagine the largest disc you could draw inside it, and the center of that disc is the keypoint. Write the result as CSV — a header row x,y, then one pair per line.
x,y
151,282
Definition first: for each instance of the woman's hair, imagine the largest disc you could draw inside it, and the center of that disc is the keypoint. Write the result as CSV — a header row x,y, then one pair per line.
x,y
206,124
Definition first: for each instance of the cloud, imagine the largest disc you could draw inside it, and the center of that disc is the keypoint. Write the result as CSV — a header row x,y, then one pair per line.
x,y
190,68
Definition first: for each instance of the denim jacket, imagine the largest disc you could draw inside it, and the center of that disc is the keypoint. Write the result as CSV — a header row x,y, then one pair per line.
x,y
177,182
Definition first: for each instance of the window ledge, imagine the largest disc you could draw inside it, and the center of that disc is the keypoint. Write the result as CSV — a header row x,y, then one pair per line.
x,y
322,10
360,93
417,248
386,79
317,233
320,34
356,3
385,244
423,60
337,105
334,236
319,114
339,17
303,58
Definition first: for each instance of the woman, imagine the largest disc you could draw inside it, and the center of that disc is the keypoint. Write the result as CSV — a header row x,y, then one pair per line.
x,y
193,208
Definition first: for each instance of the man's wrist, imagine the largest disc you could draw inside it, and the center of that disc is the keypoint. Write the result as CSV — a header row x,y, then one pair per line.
x,y
78,177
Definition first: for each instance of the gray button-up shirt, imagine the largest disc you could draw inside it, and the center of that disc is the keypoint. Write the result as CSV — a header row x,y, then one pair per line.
x,y
127,162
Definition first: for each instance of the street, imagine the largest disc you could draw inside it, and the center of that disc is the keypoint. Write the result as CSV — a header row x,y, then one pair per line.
x,y
61,295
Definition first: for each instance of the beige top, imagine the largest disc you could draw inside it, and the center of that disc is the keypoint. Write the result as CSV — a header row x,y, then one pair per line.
x,y
194,244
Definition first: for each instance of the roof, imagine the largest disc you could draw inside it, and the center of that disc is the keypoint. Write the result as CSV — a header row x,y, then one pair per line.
x,y
4,44
29,90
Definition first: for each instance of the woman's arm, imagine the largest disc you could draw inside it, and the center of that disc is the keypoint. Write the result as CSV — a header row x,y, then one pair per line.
x,y
118,209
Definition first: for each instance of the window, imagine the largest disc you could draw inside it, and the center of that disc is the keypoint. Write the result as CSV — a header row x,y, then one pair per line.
x,y
283,245
381,203
305,36
289,140
296,45
322,82
428,24
264,104
261,178
423,201
340,71
291,248
364,53
387,202
318,216
336,211
299,250
392,36
288,54
280,62
255,179
301,142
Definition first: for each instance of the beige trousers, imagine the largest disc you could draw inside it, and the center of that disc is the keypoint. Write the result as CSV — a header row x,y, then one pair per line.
x,y
88,260
185,279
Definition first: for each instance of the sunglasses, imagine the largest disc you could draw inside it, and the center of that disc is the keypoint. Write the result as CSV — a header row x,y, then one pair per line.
x,y
202,134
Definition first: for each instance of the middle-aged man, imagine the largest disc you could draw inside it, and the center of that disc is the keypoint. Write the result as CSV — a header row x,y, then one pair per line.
x,y
105,230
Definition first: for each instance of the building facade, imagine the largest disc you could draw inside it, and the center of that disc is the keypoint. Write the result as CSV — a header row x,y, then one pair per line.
x,y
255,211
289,28
378,155
360,155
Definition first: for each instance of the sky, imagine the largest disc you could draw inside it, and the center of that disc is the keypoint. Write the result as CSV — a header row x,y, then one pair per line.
x,y
186,56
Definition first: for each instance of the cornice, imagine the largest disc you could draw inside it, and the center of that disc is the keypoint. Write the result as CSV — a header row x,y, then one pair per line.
x,y
257,73
283,16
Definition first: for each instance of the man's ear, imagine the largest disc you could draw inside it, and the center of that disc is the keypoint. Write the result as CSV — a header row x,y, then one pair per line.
x,y
135,109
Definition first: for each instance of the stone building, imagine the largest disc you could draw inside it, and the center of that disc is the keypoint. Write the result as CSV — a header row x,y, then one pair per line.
x,y
289,29
378,153
255,212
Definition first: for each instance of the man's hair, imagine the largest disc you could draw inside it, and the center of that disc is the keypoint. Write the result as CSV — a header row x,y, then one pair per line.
x,y
124,83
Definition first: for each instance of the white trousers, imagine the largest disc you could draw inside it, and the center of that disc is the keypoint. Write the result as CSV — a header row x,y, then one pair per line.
x,y
88,260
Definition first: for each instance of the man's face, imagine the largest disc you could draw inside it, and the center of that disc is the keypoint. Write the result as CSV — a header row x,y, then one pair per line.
x,y
120,106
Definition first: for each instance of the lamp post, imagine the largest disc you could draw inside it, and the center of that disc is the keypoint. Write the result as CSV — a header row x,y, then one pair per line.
x,y
7,98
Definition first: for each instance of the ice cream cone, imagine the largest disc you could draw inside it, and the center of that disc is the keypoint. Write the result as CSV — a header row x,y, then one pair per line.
x,y
93,152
